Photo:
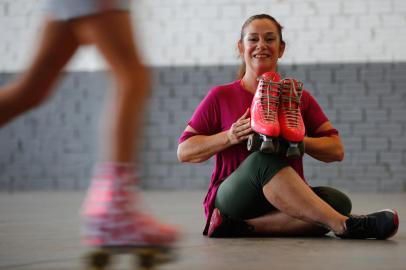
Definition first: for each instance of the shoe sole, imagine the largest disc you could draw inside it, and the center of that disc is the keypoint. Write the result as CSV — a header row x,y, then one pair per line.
x,y
395,222
215,221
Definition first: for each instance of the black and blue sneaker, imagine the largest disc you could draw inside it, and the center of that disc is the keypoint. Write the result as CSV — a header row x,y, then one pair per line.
x,y
379,225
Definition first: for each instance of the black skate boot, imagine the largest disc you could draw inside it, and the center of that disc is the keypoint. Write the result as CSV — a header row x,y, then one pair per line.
x,y
222,226
379,225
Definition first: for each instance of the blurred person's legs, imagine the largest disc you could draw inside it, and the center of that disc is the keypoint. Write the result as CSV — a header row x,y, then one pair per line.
x,y
55,48
111,33
109,209
110,215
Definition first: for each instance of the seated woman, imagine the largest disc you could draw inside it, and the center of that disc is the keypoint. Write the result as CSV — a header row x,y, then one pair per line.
x,y
260,193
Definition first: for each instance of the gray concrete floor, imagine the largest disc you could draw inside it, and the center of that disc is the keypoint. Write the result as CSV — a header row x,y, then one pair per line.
x,y
39,230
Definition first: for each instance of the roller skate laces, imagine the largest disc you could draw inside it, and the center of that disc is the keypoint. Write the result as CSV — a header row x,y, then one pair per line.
x,y
264,113
290,119
112,212
269,101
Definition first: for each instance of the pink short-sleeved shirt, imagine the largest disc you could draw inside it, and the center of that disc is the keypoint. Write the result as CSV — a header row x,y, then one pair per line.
x,y
221,107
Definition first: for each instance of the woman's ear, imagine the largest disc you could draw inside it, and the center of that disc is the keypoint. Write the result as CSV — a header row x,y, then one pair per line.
x,y
240,48
281,49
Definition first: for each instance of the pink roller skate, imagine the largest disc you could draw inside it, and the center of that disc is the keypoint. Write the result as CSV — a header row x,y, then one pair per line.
x,y
290,119
264,115
114,223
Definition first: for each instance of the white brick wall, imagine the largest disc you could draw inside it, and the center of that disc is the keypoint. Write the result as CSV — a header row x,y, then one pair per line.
x,y
204,32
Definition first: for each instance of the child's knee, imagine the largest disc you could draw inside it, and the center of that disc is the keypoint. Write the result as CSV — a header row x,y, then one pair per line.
x,y
27,97
134,82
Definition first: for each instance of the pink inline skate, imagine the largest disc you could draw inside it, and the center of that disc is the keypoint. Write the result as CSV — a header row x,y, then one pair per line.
x,y
114,222
290,120
264,115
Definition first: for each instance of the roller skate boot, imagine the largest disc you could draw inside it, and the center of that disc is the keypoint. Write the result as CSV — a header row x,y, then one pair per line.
x,y
112,214
264,115
291,123
379,225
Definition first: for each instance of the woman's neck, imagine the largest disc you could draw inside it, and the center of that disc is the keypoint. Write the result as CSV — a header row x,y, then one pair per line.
x,y
249,82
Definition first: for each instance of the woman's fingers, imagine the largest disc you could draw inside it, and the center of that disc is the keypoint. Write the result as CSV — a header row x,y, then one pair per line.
x,y
245,115
242,131
245,137
242,125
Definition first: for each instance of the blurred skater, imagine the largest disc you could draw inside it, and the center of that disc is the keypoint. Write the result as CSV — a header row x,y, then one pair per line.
x,y
111,211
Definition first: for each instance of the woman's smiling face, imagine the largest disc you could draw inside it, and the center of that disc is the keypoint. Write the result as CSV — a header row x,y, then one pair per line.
x,y
261,46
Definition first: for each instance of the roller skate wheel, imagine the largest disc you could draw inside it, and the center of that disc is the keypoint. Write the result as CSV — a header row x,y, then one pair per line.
x,y
302,148
150,258
293,152
97,260
146,259
254,142
268,147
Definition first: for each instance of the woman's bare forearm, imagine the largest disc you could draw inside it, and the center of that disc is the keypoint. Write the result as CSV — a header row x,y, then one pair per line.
x,y
327,149
200,148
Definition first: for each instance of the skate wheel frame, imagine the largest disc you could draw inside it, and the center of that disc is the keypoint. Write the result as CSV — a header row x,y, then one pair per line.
x,y
145,258
268,147
295,149
254,142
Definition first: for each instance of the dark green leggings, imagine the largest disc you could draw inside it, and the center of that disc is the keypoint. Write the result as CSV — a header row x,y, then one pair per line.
x,y
240,196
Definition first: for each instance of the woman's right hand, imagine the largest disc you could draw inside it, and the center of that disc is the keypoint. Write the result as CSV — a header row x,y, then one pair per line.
x,y
240,130
200,148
